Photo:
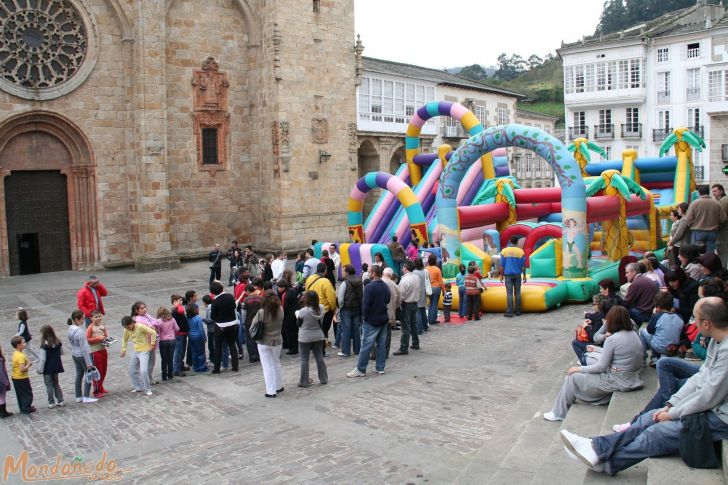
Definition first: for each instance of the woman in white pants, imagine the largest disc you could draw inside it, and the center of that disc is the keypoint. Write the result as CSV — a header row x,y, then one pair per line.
x,y
270,316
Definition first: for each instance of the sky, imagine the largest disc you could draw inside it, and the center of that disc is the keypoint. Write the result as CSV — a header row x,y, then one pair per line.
x,y
449,33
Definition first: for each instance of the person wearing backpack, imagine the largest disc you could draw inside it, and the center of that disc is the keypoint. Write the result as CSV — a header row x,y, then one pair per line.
x,y
349,296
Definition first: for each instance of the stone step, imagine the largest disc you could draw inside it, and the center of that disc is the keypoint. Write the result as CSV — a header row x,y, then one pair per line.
x,y
622,408
671,469
557,467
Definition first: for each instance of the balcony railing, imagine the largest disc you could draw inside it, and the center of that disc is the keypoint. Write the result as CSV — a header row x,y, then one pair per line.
x,y
453,132
578,132
632,131
698,130
604,132
693,53
660,134
692,94
663,97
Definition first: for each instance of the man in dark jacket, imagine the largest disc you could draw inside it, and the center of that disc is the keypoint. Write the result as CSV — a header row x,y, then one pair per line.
x,y
376,318
349,296
215,259
222,312
640,299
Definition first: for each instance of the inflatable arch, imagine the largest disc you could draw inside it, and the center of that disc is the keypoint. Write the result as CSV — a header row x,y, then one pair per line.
x,y
401,190
440,108
568,173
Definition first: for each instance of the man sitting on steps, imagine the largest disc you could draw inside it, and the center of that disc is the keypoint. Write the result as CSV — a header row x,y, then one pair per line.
x,y
658,433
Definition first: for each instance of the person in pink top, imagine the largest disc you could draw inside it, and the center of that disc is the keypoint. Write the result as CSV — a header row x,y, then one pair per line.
x,y
412,251
167,329
139,315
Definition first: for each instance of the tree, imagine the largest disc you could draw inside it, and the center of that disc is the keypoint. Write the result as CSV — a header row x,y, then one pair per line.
x,y
474,71
614,17
509,67
534,61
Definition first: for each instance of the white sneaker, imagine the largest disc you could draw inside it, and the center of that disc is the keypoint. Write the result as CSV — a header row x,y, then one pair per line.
x,y
380,372
341,354
599,467
355,373
581,447
89,400
618,428
61,404
136,390
79,399
551,417
148,393
51,406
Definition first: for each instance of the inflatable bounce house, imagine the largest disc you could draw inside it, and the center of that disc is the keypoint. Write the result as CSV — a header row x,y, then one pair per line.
x,y
574,235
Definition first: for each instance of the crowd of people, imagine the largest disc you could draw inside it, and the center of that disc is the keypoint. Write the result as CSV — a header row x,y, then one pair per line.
x,y
663,312
672,309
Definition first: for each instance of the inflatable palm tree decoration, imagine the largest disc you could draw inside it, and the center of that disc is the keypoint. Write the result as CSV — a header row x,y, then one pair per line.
x,y
683,141
581,148
502,190
616,235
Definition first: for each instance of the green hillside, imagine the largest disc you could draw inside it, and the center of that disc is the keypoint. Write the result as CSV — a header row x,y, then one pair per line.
x,y
543,86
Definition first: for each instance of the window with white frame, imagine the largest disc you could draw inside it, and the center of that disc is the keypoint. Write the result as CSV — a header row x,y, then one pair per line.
x,y
611,75
589,78
480,113
692,82
601,76
694,119
605,122
623,75
502,116
579,79
663,87
608,151
390,101
633,119
663,54
718,85
635,73
569,80
663,119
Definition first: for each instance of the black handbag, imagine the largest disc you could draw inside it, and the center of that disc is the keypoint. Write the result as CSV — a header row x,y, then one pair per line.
x,y
696,442
257,328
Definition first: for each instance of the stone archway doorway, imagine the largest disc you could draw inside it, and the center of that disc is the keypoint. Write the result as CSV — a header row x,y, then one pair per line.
x,y
48,205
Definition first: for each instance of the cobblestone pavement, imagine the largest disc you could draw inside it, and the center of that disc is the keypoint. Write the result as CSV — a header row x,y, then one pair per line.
x,y
433,415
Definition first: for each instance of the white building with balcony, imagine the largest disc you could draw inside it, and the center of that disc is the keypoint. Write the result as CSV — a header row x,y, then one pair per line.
x,y
630,89
391,92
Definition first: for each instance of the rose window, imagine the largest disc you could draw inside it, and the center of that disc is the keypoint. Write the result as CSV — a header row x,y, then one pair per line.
x,y
43,43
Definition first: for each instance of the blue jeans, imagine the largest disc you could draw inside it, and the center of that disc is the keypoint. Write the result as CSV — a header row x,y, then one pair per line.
x,y
370,335
434,300
645,439
421,320
579,350
639,316
179,353
513,287
197,345
672,373
707,238
350,329
461,301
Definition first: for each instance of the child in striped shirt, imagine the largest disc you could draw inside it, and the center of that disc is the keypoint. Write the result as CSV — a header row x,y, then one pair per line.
x,y
447,301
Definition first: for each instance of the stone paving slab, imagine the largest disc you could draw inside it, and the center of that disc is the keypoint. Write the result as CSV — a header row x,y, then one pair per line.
x,y
444,414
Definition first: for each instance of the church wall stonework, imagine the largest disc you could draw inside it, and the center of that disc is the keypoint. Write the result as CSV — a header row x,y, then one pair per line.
x,y
291,95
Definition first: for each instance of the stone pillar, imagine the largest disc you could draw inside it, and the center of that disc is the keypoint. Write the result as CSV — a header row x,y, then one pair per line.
x,y
149,193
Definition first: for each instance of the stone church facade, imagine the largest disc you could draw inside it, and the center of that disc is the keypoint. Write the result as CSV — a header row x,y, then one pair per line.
x,y
141,132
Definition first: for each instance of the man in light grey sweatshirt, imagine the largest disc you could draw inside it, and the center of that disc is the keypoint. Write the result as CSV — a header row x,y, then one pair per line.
x,y
657,433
